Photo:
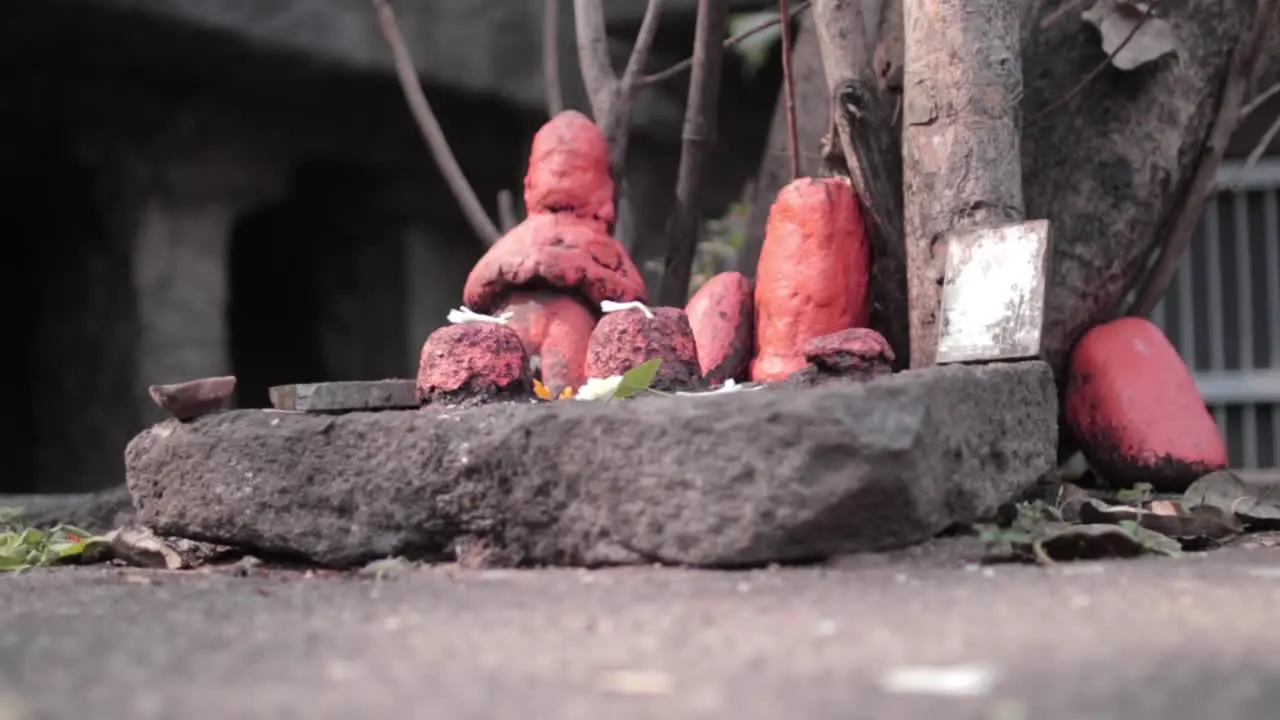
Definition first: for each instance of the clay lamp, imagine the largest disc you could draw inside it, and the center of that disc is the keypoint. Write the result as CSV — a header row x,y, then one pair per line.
x,y
477,359
631,334
852,354
722,315
553,270
812,278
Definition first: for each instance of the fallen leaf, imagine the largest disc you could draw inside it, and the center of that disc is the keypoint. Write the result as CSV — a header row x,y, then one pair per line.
x,y
1193,529
541,390
1099,541
143,548
1256,508
1117,19
1165,507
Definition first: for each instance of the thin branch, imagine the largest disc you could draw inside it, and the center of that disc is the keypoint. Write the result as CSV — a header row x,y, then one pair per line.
x,y
1080,86
610,96
430,127
698,139
1240,77
729,42
1260,149
551,57
507,210
1258,100
789,90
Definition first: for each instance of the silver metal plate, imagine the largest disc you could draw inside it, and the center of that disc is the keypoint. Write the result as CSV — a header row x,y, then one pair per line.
x,y
993,297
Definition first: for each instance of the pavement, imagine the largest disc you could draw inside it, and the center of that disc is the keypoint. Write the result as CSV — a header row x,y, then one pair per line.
x,y
1191,638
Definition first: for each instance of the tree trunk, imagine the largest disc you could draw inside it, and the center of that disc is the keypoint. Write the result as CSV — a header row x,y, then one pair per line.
x,y
1110,168
960,140
863,145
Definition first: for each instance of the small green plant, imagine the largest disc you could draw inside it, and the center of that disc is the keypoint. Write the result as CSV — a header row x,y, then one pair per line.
x,y
23,548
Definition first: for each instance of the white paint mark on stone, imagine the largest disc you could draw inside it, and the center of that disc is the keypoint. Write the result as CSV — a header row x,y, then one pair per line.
x,y
464,314
969,680
609,306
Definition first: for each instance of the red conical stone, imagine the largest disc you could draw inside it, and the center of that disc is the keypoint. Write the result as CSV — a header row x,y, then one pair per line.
x,y
1134,408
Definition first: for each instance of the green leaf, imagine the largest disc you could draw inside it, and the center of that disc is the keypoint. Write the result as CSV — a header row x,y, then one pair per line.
x,y
638,379
1139,493
754,50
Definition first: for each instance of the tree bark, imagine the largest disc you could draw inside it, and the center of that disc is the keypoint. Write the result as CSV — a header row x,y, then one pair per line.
x,y
962,164
1111,172
697,140
863,144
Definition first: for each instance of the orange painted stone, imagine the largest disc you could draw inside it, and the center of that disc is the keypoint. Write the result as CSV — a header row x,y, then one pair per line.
x,y
569,169
813,274
627,338
556,329
1134,408
554,252
473,362
722,315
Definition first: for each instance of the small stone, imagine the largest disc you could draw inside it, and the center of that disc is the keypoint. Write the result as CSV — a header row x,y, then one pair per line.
x,y
861,353
193,398
722,315
345,396
853,355
627,338
473,363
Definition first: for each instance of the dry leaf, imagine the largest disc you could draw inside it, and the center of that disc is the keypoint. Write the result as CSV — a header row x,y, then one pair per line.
x,y
541,390
1165,507
1116,20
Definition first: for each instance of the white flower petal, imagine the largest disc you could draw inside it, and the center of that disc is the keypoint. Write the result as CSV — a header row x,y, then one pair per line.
x,y
598,388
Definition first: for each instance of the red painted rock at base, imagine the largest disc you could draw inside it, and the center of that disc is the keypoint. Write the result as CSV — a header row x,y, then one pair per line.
x,y
857,352
1135,410
569,169
722,315
556,329
627,338
813,275
473,362
558,252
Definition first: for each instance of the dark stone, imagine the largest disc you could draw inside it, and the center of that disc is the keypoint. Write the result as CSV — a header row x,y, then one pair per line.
x,y
731,480
193,398
346,396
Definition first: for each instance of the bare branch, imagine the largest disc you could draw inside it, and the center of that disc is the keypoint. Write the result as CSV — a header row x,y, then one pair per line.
x,y
1261,148
687,63
611,96
789,90
507,210
1258,100
621,119
551,57
593,58
698,139
1073,92
1240,77
430,127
